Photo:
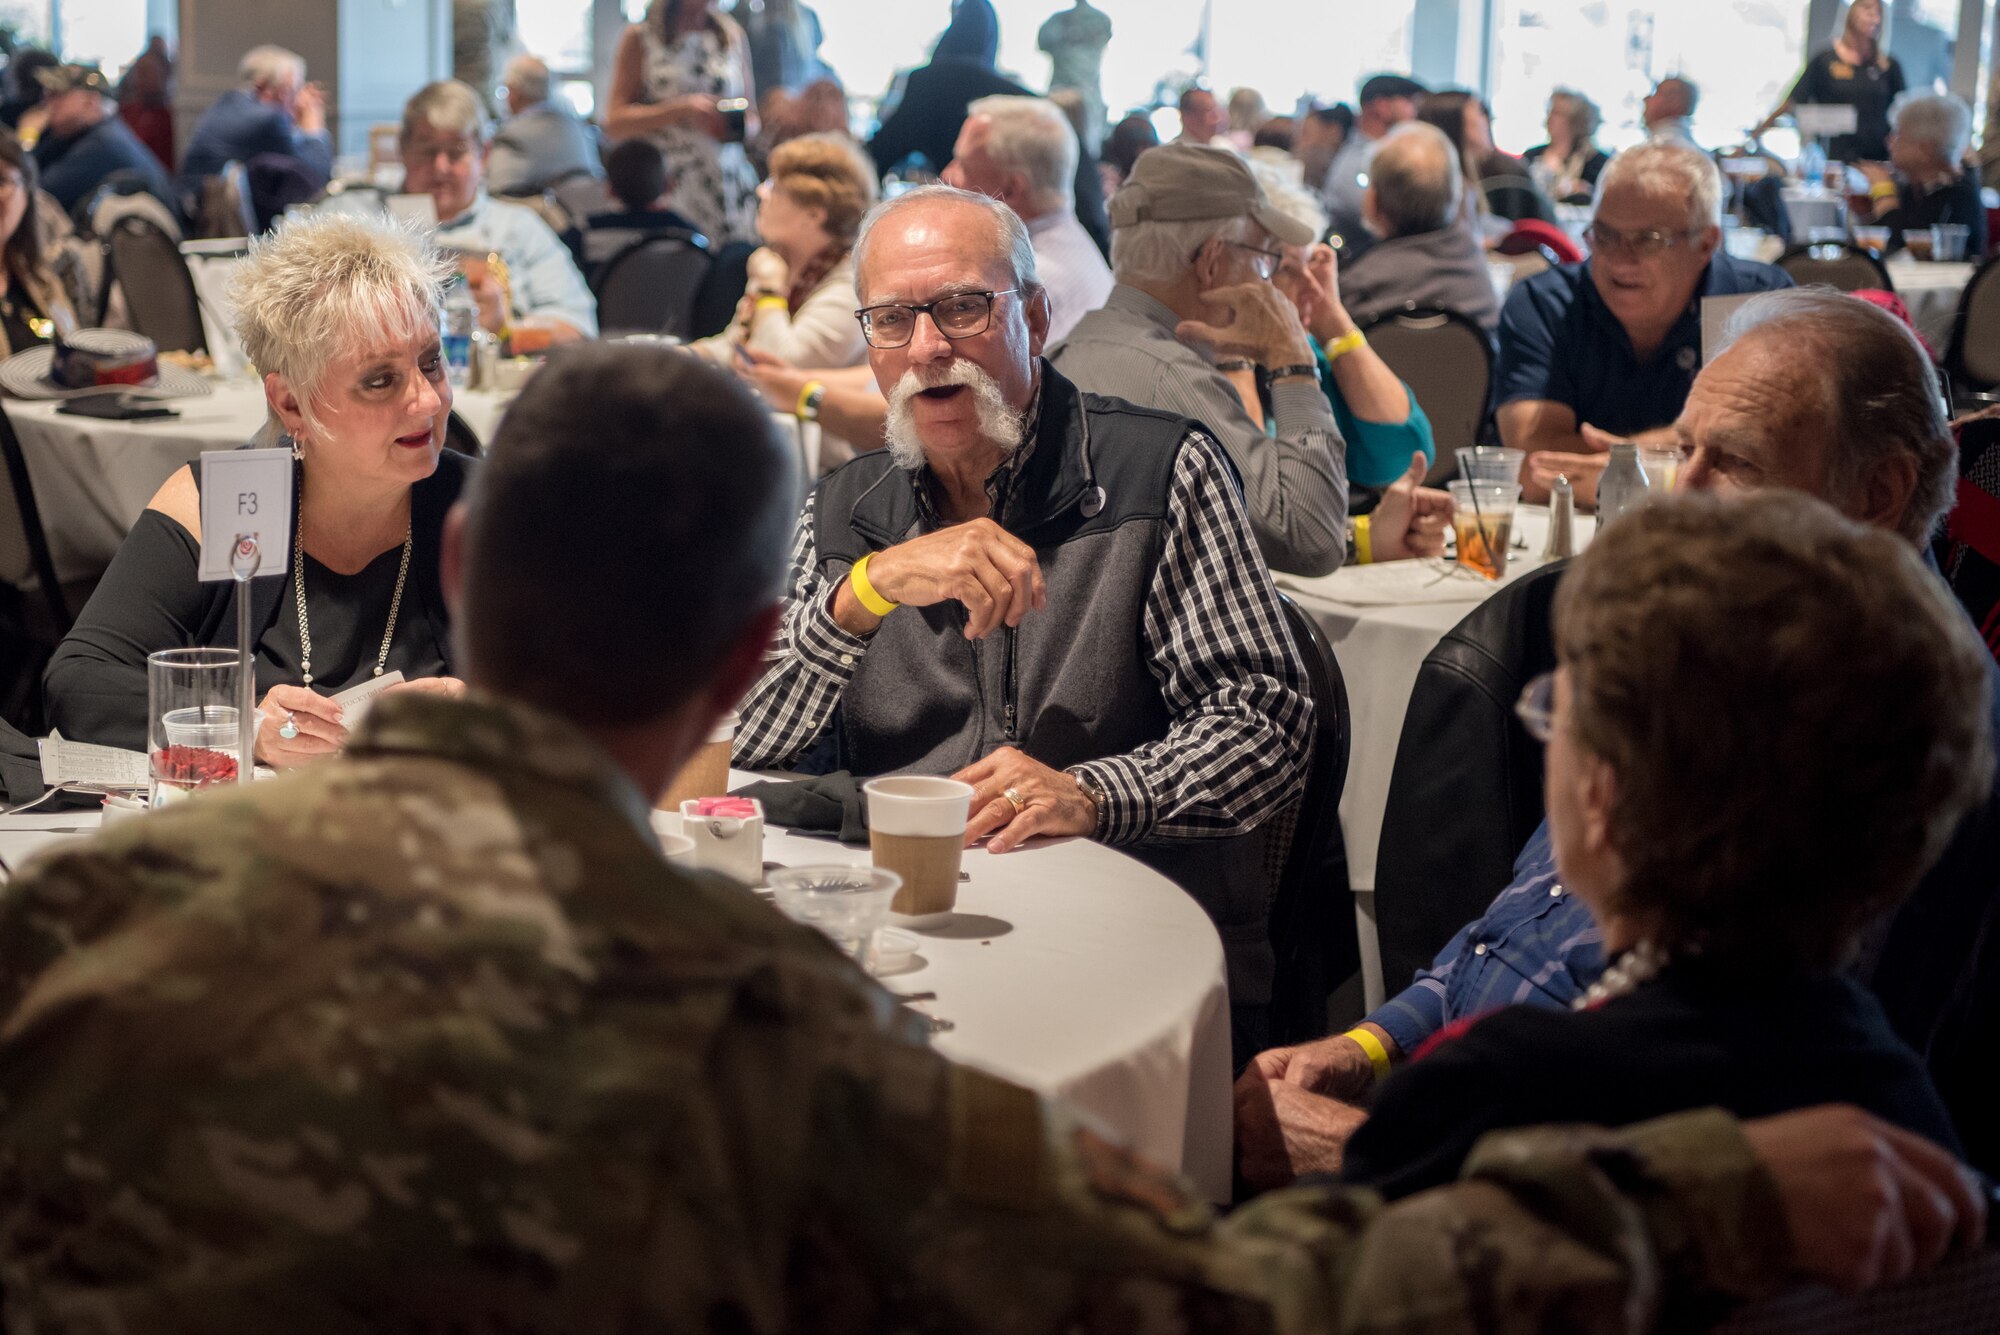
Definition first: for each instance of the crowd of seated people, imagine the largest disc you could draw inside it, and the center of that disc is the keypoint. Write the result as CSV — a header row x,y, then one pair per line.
x,y
425,1028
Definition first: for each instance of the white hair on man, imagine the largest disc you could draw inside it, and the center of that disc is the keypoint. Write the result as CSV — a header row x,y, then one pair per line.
x,y
1878,393
1031,135
1153,252
1417,181
527,77
1661,167
1940,121
448,107
998,423
272,67
329,286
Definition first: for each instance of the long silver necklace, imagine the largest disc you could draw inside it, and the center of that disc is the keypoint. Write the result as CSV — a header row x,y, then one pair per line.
x,y
299,592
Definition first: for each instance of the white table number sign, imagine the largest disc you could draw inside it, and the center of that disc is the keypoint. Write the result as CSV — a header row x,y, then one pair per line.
x,y
245,494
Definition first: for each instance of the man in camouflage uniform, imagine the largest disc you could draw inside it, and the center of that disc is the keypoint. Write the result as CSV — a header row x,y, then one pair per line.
x,y
429,1037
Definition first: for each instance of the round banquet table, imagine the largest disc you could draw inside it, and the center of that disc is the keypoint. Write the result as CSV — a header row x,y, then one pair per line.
x,y
1068,968
1382,621
1930,292
93,477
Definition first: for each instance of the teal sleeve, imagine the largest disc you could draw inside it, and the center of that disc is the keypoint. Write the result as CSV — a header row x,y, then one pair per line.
x,y
1377,453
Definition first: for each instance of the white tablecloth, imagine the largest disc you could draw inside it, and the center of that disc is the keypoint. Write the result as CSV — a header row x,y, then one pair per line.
x,y
92,477
1931,293
1070,968
1380,644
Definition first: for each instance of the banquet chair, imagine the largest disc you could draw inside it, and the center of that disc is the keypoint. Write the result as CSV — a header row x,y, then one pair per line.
x,y
1515,198
1835,264
223,208
1972,357
1447,361
650,286
1313,931
1960,1297
1466,788
32,621
146,265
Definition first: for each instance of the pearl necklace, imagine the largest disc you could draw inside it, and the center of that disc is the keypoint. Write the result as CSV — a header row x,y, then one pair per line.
x,y
299,593
1637,966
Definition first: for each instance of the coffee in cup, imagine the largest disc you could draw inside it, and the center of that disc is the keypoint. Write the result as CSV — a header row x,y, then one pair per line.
x,y
706,773
916,828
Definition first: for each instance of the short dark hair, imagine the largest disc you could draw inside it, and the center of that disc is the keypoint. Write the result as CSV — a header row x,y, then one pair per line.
x,y
1339,114
27,62
1391,85
1127,140
1274,133
633,514
1795,712
636,172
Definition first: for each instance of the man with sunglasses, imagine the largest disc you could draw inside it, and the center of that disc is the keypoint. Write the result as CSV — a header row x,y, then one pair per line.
x,y
1606,350
1052,596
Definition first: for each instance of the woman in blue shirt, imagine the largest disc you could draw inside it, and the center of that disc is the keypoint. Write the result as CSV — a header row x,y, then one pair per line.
x,y
1377,415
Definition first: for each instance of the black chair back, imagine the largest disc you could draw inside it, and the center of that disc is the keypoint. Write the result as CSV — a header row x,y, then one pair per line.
x,y
147,266
1973,355
460,437
1313,931
1515,198
650,286
1835,264
24,545
1447,361
1466,788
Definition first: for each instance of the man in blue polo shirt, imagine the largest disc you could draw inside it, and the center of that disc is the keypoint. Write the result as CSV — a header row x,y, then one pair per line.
x,y
1606,350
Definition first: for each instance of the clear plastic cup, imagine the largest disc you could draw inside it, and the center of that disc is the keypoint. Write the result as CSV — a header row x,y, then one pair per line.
x,y
1490,464
1918,241
1874,240
1663,468
845,904
1483,521
1948,242
192,714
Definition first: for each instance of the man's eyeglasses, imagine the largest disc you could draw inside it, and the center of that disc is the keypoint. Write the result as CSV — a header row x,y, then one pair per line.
x,y
1641,245
1537,707
960,315
1267,261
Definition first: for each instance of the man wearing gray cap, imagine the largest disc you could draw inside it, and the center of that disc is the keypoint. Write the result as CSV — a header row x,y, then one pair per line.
x,y
1194,244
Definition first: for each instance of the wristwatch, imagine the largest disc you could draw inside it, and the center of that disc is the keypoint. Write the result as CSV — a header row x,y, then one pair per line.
x,y
1091,789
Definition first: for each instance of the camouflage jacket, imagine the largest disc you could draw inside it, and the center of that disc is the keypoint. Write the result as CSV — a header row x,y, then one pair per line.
x,y
429,1038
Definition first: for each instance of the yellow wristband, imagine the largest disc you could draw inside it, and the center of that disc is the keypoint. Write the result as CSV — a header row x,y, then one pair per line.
x,y
1364,548
1345,344
1882,190
768,302
873,601
805,404
1378,1056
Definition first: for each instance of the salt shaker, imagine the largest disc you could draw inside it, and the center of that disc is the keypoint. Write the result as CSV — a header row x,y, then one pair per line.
x,y
1562,521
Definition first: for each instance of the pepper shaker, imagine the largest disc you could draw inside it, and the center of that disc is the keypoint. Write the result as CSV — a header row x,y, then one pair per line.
x,y
1562,521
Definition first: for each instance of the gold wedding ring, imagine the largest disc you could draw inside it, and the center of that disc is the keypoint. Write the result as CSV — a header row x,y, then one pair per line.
x,y
1014,795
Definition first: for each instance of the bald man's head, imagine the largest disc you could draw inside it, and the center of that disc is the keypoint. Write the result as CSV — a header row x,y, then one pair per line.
x,y
1415,184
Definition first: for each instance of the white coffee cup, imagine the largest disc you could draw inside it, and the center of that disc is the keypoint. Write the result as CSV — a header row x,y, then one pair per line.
x,y
916,828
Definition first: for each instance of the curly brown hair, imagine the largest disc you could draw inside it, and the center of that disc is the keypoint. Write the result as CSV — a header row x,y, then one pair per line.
x,y
828,172
1795,710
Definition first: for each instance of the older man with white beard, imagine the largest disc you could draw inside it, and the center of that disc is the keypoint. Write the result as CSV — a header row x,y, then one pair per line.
x,y
1052,596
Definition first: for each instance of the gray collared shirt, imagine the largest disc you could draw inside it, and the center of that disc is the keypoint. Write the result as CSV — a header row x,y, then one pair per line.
x,y
1294,482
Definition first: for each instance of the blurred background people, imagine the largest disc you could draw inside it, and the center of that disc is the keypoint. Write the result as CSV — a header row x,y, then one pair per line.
x,y
542,141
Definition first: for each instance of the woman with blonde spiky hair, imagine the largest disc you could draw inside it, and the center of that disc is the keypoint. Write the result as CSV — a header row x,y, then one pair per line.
x,y
340,314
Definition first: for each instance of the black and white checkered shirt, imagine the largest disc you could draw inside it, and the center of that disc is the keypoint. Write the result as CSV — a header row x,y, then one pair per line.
x,y
1215,639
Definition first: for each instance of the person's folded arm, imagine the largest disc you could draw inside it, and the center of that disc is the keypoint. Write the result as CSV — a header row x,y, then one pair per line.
x,y
823,332
547,285
813,660
1239,743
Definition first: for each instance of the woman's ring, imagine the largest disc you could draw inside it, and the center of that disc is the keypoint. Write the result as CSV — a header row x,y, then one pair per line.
x,y
291,728
1014,795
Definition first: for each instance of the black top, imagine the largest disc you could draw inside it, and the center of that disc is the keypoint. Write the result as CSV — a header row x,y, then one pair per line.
x,y
1869,89
1695,1037
17,309
931,112
95,687
347,615
1954,202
